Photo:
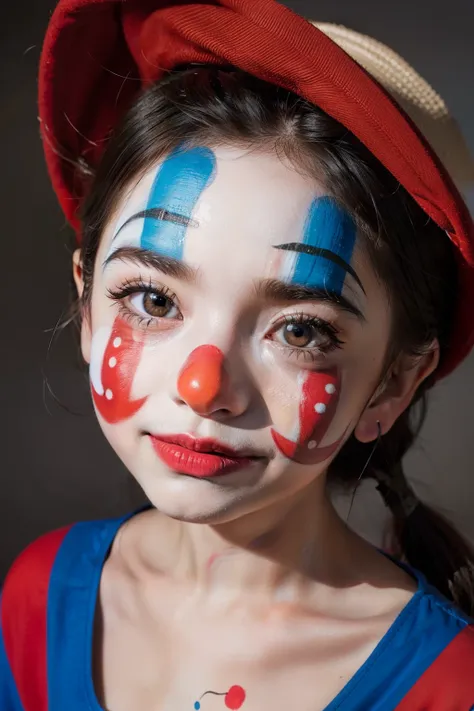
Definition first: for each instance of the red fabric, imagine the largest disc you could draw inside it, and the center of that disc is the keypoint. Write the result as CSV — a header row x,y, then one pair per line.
x,y
24,619
99,53
449,682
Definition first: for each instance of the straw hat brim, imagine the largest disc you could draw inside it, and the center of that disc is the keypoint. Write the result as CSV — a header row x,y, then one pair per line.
x,y
417,98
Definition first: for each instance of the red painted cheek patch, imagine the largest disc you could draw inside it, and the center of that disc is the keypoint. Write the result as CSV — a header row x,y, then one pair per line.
x,y
318,404
200,379
119,366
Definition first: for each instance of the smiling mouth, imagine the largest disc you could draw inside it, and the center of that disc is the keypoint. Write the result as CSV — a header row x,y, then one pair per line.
x,y
201,458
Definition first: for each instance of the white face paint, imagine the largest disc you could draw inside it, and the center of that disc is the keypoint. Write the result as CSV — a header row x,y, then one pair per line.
x,y
99,344
213,347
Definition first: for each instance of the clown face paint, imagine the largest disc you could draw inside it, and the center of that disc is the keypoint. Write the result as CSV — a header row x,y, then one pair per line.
x,y
161,224
322,258
318,405
179,182
159,227
249,256
320,261
115,356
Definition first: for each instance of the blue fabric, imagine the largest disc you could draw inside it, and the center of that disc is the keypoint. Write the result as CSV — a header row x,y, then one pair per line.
x,y
72,599
9,699
421,632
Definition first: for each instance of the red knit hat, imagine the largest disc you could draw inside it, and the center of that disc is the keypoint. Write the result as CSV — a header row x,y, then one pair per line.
x,y
98,54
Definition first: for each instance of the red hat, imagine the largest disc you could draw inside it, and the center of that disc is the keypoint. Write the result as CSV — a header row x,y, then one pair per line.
x,y
98,54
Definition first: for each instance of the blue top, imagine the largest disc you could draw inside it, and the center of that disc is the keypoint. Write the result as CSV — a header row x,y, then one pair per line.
x,y
423,635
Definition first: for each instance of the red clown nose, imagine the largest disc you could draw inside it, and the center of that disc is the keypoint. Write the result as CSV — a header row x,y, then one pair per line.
x,y
200,380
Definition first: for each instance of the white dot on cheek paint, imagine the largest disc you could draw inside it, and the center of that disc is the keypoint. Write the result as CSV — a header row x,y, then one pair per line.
x,y
112,362
117,342
320,408
109,394
330,389
312,444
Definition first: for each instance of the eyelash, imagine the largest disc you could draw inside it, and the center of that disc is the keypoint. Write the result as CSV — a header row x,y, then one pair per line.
x,y
132,287
324,327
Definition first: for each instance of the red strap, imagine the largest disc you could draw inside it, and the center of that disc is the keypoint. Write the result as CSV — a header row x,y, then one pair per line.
x,y
24,619
448,684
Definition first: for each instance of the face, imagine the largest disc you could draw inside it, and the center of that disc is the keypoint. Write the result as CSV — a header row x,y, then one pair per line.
x,y
237,332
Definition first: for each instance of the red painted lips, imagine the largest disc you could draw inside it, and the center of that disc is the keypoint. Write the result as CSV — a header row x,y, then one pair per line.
x,y
199,457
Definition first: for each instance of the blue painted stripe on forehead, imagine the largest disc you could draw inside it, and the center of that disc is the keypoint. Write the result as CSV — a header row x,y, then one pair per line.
x,y
178,185
329,227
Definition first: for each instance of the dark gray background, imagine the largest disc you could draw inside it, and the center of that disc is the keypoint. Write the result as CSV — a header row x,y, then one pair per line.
x,y
56,467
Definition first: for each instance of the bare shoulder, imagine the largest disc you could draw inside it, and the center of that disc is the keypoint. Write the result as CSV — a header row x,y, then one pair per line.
x,y
380,589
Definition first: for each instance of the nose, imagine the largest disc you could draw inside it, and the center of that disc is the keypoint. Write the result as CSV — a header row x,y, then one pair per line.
x,y
203,384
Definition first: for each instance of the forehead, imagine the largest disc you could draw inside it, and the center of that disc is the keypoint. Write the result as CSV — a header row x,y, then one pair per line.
x,y
250,198
238,205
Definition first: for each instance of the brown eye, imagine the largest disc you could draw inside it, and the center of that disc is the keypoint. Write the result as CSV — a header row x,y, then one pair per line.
x,y
298,335
154,304
306,334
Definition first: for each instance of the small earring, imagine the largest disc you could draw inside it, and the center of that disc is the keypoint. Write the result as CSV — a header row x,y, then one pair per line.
x,y
372,452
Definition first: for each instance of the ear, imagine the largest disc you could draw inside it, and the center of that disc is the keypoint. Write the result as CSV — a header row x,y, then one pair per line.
x,y
396,393
86,331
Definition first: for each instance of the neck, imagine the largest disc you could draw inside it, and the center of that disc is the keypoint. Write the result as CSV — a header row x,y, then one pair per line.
x,y
271,554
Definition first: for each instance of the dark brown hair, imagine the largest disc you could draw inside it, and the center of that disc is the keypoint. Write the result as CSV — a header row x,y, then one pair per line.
x,y
410,253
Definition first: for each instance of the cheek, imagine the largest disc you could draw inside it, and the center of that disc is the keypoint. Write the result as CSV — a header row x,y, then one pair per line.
x,y
316,408
115,356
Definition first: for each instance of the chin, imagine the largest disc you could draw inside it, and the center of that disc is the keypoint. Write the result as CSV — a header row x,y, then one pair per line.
x,y
215,499
188,498
220,499
193,500
206,500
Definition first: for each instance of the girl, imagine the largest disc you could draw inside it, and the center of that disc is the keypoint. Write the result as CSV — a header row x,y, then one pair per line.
x,y
273,268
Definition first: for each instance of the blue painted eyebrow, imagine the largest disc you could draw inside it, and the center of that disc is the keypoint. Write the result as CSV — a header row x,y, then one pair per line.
x,y
159,213
303,248
324,253
178,185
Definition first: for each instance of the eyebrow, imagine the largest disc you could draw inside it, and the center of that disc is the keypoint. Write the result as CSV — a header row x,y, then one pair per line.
x,y
158,213
147,258
268,289
320,252
280,291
